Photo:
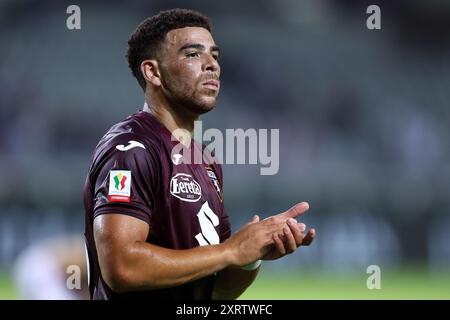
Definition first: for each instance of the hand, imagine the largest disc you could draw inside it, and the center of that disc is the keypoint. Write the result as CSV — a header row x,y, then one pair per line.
x,y
251,242
262,239
292,235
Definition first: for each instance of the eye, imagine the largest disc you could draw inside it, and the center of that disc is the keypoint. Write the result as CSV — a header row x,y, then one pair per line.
x,y
216,57
192,54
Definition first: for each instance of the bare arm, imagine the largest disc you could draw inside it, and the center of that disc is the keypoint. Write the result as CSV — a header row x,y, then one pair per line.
x,y
129,263
232,282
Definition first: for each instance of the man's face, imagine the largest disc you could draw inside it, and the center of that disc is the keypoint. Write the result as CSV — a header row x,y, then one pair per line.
x,y
190,70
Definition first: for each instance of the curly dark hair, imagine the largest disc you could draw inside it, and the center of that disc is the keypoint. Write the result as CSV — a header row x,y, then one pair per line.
x,y
145,42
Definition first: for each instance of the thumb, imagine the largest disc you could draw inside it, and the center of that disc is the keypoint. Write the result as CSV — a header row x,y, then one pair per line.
x,y
297,210
255,219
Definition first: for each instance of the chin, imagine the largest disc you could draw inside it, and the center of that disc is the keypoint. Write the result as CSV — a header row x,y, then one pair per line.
x,y
204,108
205,105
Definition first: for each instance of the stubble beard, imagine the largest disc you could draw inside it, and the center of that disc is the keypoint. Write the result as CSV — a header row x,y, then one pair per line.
x,y
189,99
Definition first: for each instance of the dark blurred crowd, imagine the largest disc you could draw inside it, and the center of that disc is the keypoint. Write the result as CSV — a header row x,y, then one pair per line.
x,y
363,117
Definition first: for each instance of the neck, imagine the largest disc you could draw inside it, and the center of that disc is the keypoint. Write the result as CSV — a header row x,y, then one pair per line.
x,y
177,120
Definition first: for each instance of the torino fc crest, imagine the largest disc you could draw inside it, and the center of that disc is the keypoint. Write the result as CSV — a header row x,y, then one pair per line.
x,y
215,182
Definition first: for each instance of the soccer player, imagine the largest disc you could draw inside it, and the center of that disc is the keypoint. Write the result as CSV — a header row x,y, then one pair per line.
x,y
156,226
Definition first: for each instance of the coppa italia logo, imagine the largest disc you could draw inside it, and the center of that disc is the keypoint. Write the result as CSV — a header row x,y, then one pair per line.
x,y
119,186
120,181
185,188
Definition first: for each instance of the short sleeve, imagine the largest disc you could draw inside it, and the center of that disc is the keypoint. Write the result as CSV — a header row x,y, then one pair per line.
x,y
127,182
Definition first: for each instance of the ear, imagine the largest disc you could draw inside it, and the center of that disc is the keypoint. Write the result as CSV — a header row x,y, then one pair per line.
x,y
150,72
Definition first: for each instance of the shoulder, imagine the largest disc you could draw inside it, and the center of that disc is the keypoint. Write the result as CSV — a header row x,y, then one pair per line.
x,y
133,140
133,133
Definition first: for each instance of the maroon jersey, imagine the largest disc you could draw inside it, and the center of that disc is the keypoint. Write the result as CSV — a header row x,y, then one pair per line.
x,y
134,172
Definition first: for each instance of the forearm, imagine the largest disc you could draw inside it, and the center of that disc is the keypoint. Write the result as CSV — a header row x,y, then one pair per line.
x,y
232,282
144,266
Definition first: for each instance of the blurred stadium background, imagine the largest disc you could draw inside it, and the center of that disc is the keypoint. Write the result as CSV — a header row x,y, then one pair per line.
x,y
363,117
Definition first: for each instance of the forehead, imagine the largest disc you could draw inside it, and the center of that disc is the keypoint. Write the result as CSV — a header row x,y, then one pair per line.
x,y
179,37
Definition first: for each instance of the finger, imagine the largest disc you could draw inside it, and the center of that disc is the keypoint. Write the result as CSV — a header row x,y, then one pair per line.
x,y
302,226
295,211
297,230
279,244
290,242
309,237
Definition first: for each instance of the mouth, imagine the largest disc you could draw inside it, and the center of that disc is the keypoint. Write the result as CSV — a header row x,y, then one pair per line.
x,y
211,84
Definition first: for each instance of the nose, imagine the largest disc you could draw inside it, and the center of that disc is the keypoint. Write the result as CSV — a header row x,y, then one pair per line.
x,y
211,64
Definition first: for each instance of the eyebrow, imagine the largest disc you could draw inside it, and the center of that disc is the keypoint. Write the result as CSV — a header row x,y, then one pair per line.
x,y
198,46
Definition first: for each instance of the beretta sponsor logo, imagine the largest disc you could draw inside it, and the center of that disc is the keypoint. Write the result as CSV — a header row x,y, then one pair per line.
x,y
185,188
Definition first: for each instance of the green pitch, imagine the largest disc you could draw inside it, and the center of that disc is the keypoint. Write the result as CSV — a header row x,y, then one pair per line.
x,y
7,290
411,284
